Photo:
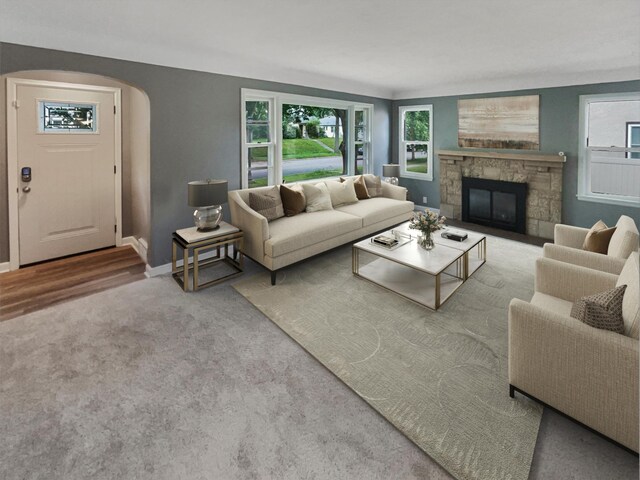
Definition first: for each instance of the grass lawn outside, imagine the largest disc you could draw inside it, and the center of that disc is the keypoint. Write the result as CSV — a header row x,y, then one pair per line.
x,y
297,177
417,166
300,148
329,142
296,149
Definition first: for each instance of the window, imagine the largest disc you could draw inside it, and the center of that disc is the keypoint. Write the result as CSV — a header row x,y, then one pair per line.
x,y
416,142
66,117
291,138
362,141
259,145
633,138
609,155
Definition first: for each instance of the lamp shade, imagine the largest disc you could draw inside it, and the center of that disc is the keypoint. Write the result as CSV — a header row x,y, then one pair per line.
x,y
205,193
391,170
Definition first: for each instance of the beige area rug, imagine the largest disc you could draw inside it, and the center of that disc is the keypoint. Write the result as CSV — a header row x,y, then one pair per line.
x,y
439,377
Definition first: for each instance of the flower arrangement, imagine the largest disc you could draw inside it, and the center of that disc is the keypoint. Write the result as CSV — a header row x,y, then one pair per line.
x,y
426,222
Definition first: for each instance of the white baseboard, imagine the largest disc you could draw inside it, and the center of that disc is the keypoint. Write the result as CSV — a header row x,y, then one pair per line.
x,y
4,267
139,245
166,268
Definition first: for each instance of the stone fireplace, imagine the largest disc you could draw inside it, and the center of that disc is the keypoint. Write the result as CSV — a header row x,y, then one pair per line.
x,y
542,174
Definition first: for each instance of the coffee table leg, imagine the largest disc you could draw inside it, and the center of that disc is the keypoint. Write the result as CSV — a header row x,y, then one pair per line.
x,y
466,266
437,304
354,260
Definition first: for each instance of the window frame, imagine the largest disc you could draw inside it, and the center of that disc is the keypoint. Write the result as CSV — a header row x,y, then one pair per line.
x,y
246,146
367,166
402,143
277,100
584,162
629,139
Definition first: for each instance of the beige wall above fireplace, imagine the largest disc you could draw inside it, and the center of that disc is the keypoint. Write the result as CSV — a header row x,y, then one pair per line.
x,y
542,173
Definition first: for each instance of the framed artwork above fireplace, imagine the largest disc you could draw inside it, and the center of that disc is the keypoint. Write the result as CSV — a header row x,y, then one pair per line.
x,y
501,122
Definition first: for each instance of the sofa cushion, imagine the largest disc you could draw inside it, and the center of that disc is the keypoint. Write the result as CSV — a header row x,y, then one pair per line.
x,y
267,203
552,304
289,234
598,238
625,238
317,196
342,193
377,209
601,310
631,302
293,200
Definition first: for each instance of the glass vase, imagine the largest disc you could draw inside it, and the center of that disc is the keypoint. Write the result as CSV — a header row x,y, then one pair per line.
x,y
425,240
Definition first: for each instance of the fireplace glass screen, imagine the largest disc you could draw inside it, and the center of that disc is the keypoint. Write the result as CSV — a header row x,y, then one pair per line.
x,y
504,207
494,203
479,203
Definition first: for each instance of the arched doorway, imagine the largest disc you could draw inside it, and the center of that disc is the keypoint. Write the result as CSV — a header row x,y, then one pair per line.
x,y
135,168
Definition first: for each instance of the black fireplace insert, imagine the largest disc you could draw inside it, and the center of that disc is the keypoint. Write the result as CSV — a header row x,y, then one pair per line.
x,y
495,203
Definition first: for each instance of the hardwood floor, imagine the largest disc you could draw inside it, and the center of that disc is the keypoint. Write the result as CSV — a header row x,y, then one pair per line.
x,y
38,286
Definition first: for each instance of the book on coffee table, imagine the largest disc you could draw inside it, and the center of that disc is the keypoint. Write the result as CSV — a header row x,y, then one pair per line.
x,y
456,235
389,241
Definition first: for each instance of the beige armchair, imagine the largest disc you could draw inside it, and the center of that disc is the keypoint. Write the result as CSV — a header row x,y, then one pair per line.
x,y
568,240
586,373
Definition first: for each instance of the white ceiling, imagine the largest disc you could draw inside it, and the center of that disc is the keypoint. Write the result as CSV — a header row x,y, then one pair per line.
x,y
383,48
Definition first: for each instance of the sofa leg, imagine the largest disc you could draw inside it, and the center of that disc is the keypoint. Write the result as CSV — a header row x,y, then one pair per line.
x,y
273,277
512,391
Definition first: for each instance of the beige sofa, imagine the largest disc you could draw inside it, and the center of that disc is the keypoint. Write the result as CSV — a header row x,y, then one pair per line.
x,y
287,240
589,374
568,240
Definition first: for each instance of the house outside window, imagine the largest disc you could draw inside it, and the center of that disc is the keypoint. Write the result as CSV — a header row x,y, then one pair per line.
x,y
309,138
415,147
609,154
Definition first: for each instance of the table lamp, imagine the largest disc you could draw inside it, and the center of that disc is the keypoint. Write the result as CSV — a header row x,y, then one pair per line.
x,y
207,196
392,172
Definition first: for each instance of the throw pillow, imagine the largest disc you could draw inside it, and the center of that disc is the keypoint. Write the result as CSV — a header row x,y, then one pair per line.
x,y
267,203
602,310
317,196
374,185
360,185
293,200
598,238
342,193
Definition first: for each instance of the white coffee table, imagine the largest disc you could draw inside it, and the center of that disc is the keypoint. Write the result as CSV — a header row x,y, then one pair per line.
x,y
426,277
474,246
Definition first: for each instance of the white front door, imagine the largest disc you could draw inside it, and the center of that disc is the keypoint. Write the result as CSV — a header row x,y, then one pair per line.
x,y
66,157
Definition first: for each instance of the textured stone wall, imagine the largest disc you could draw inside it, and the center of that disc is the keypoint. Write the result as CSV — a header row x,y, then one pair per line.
x,y
544,179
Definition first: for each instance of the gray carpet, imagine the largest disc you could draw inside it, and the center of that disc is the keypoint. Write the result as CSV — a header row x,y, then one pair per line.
x,y
439,377
147,382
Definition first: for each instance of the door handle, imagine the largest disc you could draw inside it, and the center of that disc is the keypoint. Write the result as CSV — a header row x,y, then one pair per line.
x,y
26,189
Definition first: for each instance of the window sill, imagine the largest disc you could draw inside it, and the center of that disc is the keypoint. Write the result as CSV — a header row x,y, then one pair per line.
x,y
417,176
609,200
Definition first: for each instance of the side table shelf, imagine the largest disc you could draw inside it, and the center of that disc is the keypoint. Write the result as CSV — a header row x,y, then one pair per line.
x,y
189,239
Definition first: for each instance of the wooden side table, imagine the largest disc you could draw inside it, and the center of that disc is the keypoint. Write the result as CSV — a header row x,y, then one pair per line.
x,y
190,239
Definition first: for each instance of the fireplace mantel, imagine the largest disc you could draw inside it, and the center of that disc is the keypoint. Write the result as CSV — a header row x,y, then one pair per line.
x,y
527,157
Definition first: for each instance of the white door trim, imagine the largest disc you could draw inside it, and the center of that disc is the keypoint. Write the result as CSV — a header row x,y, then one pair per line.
x,y
12,156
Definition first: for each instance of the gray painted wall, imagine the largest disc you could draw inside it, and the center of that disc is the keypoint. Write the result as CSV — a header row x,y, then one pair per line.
x,y
559,110
195,133
195,128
